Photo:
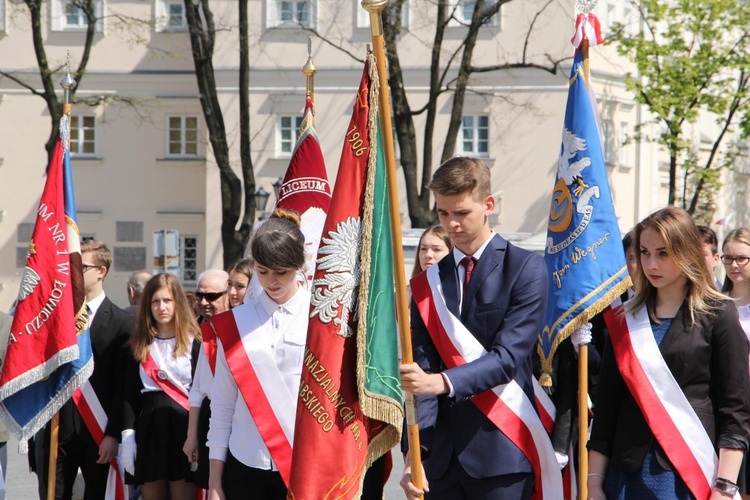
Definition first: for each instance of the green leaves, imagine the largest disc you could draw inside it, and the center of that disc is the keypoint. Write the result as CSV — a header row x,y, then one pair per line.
x,y
692,58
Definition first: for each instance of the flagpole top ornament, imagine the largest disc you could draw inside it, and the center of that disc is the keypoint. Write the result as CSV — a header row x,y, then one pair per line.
x,y
68,83
309,69
585,6
374,6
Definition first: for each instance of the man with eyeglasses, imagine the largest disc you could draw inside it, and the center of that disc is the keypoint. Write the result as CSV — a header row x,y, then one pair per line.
x,y
110,328
212,292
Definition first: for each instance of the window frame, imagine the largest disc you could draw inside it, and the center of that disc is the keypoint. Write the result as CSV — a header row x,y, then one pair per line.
x,y
59,17
183,140
475,139
273,14
80,129
461,21
162,16
293,128
184,269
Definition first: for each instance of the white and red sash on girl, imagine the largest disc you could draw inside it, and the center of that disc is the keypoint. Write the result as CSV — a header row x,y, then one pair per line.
x,y
259,381
667,411
506,406
165,380
95,418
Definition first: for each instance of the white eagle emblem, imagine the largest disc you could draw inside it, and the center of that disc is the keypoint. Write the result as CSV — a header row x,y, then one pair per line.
x,y
29,281
571,172
334,297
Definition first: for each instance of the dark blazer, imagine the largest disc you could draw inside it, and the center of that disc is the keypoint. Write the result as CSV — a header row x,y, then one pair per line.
x,y
110,333
504,309
709,360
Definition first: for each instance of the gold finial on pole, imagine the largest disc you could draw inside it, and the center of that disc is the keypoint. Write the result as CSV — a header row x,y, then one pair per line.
x,y
309,69
68,83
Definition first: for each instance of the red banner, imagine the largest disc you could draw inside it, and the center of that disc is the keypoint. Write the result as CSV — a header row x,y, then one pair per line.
x,y
330,428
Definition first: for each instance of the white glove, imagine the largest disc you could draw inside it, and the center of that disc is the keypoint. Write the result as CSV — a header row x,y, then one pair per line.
x,y
562,459
581,336
127,451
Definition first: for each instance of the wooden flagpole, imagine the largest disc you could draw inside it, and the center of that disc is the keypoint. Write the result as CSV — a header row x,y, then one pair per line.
x,y
583,367
375,7
67,83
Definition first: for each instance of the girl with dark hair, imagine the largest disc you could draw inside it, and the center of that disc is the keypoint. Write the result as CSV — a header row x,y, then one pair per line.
x,y
268,331
672,408
158,375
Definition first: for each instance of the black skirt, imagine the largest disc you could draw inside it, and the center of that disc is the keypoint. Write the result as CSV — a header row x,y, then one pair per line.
x,y
160,433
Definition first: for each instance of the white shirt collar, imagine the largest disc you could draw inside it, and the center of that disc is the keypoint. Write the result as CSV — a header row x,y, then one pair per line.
x,y
93,306
289,307
458,255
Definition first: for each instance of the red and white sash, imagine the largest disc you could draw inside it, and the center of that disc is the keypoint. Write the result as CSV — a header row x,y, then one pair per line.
x,y
259,381
667,411
506,406
209,344
166,382
95,418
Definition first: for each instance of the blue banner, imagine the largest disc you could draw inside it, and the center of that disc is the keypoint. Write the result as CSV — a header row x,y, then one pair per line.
x,y
584,254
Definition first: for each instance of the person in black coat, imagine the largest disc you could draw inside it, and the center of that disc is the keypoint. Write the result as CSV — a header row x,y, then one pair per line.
x,y
110,328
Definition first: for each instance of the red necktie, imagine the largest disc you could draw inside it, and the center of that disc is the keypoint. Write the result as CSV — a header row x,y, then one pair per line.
x,y
468,262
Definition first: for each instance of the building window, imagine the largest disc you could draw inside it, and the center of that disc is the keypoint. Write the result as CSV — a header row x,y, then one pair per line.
x,y
176,13
475,135
67,15
288,132
82,135
291,13
189,259
609,146
182,138
363,17
623,152
170,15
463,11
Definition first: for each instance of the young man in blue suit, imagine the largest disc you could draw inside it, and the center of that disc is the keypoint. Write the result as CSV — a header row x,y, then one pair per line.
x,y
465,454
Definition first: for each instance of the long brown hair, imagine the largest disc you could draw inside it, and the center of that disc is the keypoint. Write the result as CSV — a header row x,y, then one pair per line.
x,y
146,326
438,231
685,247
739,235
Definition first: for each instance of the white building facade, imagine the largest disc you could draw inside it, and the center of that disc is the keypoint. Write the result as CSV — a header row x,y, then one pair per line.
x,y
141,157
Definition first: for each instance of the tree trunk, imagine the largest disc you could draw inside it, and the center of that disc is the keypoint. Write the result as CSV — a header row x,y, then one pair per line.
x,y
202,36
248,176
403,120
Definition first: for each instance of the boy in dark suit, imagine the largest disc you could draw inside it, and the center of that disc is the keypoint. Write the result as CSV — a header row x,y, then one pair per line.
x,y
110,329
499,292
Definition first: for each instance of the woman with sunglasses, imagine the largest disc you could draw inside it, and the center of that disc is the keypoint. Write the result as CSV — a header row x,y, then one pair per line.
x,y
258,367
158,376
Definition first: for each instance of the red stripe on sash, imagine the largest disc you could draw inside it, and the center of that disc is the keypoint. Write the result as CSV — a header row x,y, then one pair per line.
x,y
659,420
209,343
254,395
169,387
488,402
97,432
